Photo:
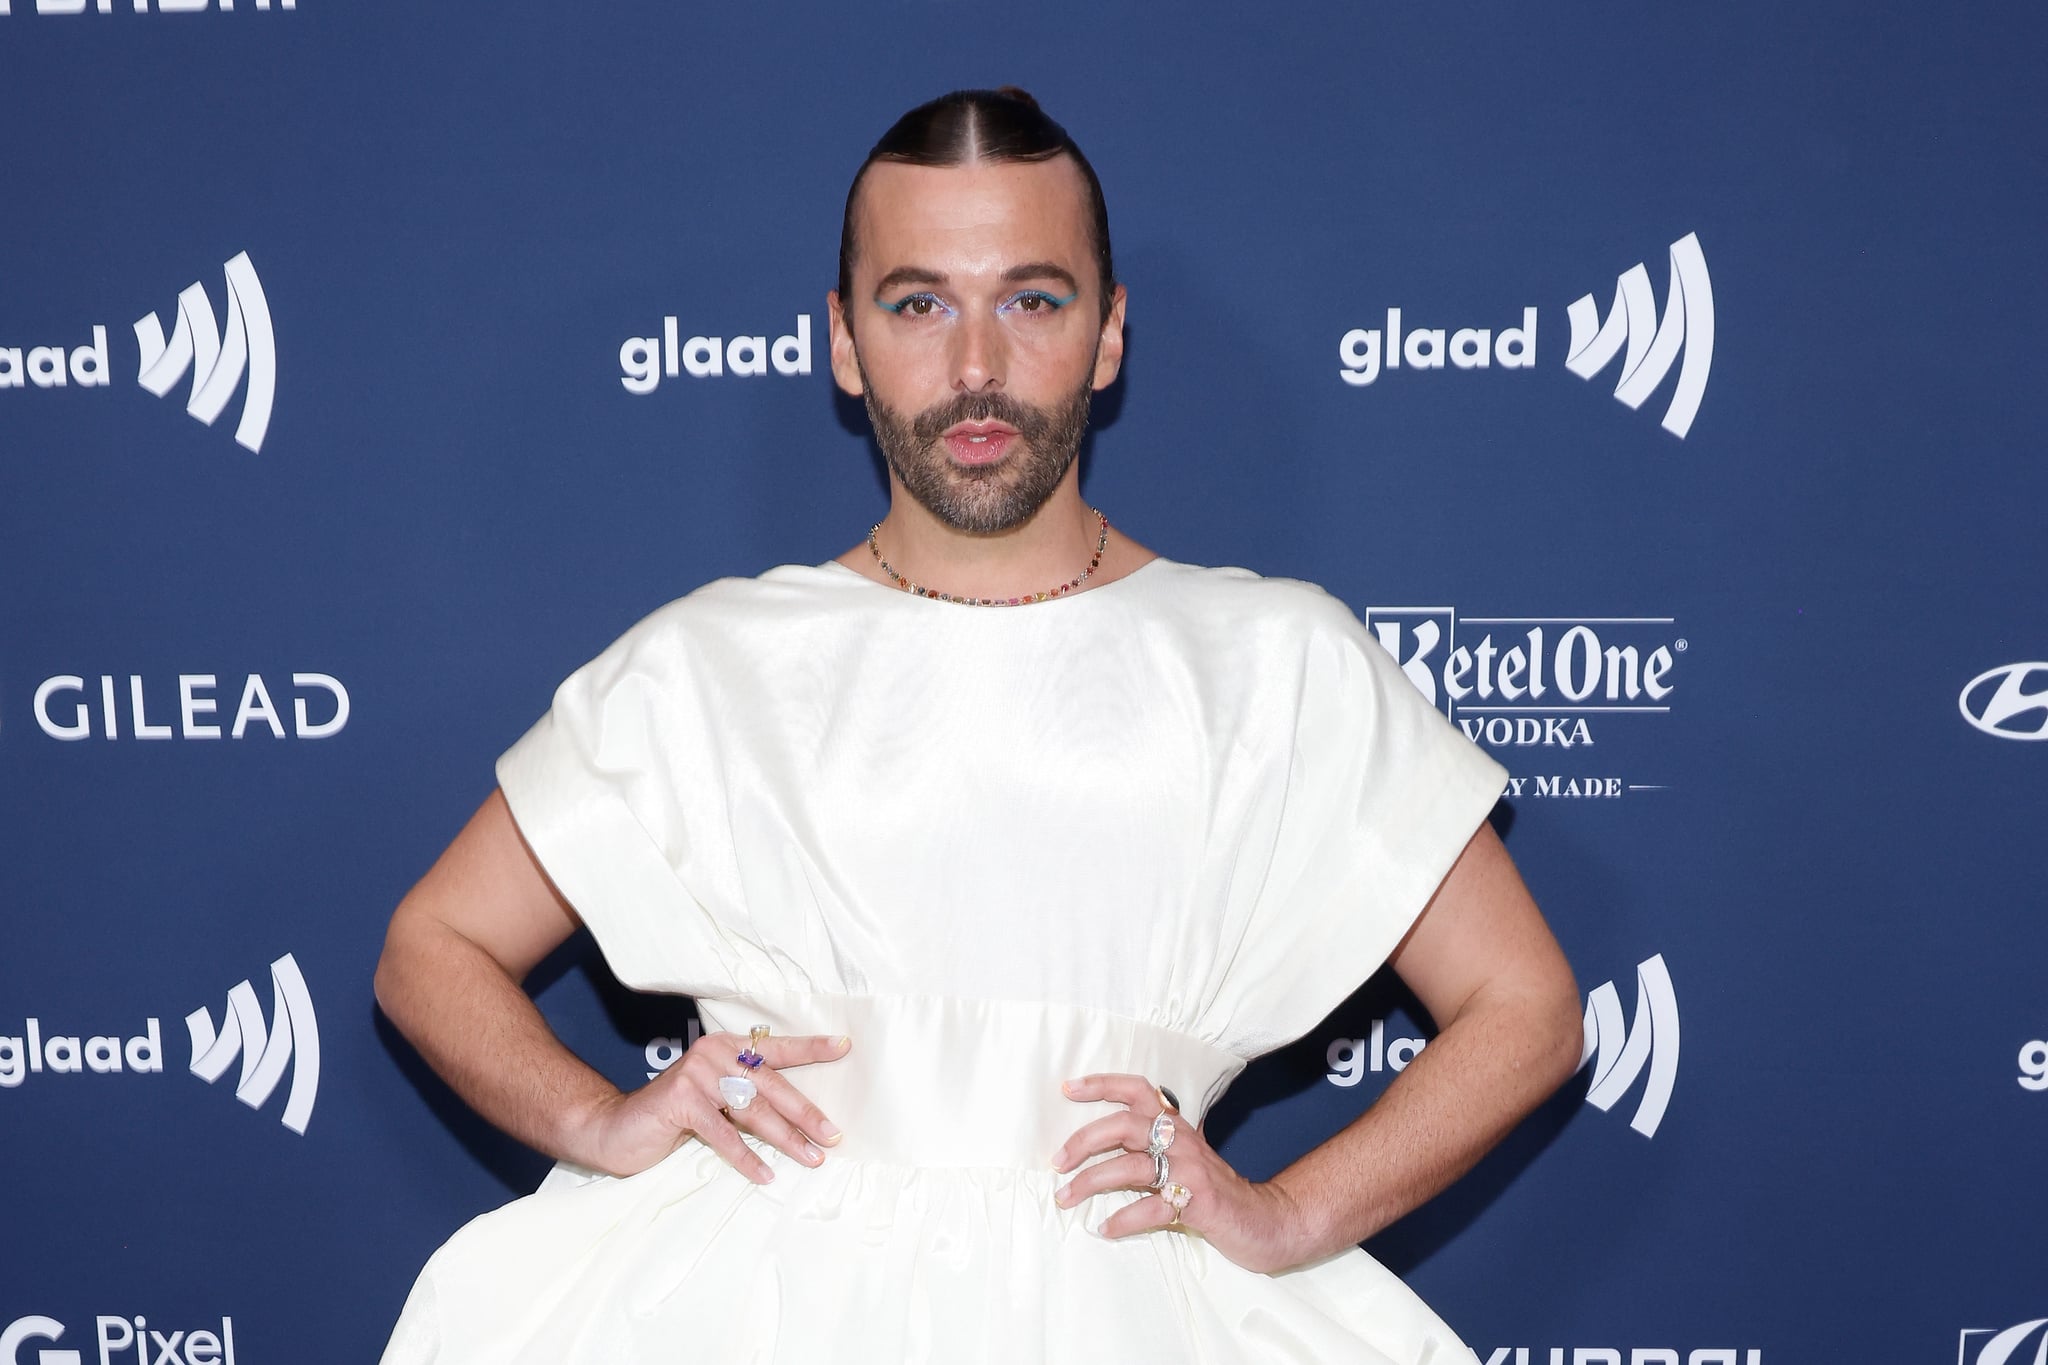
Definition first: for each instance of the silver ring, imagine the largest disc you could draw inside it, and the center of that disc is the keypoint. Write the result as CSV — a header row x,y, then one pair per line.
x,y
1159,1171
1162,1134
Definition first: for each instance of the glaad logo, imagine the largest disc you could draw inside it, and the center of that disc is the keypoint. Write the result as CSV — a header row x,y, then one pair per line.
x,y
1997,701
2034,1065
1618,1055
644,361
2023,1344
663,1053
1687,328
1641,1355
216,360
62,717
1650,1041
1538,684
141,7
264,1054
1351,1058
290,1038
116,1334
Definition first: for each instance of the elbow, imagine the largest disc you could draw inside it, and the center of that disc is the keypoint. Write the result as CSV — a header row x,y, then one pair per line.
x,y
387,984
1563,1032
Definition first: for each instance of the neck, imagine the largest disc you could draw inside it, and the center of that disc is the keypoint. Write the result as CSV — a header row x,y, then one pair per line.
x,y
1054,546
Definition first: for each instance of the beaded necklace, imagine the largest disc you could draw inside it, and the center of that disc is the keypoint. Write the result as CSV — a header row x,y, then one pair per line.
x,y
1101,544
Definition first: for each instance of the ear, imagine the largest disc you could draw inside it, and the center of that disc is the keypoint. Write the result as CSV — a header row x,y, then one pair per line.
x,y
1109,348
845,365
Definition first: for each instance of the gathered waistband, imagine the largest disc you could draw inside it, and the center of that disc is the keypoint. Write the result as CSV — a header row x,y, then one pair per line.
x,y
949,1081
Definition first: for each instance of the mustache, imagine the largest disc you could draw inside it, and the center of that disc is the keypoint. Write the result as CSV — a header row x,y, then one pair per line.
x,y
932,423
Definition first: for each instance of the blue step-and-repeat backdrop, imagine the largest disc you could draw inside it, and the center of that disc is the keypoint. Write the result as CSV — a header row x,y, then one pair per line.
x,y
1661,384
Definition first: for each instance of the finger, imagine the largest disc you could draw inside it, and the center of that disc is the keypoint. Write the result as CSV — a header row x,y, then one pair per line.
x,y
1133,1171
765,1123
1149,1214
794,1107
1124,1131
711,1057
804,1049
717,1133
1119,1087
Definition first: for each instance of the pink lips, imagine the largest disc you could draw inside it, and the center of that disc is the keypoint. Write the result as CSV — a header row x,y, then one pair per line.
x,y
978,443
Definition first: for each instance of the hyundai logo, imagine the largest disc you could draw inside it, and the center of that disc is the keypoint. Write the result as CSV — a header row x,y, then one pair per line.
x,y
1999,702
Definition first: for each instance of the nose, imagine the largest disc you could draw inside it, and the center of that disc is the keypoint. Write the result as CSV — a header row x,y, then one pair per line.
x,y
980,354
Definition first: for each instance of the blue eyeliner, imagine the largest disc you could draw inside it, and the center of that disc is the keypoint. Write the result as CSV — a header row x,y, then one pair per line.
x,y
1055,300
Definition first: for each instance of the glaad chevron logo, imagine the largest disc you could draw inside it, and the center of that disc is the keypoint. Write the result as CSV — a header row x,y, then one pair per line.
x,y
264,1052
1652,343
2024,1343
1687,326
1997,701
216,361
1620,1055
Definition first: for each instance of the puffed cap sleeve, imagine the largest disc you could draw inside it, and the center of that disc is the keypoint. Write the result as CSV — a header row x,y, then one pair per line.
x,y
603,788
1382,795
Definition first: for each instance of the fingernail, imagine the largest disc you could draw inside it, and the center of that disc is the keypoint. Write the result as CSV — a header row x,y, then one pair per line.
x,y
1059,1163
813,1153
1068,1086
829,1131
1061,1195
842,1042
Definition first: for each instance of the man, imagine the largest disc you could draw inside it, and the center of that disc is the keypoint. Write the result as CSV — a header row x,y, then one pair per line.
x,y
1010,842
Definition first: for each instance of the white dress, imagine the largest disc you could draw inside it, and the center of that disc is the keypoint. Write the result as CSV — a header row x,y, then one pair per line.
x,y
1162,826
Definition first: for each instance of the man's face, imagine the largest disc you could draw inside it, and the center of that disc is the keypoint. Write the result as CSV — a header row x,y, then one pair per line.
x,y
975,332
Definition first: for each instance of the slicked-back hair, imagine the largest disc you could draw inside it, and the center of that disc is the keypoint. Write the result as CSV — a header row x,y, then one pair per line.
x,y
978,125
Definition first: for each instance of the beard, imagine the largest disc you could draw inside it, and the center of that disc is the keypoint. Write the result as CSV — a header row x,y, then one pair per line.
x,y
990,499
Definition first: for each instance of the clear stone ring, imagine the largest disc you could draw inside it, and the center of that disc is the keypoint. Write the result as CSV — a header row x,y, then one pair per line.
x,y
1161,1136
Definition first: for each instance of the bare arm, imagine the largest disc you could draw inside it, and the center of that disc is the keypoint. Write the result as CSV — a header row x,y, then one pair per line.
x,y
460,944
1484,964
1487,969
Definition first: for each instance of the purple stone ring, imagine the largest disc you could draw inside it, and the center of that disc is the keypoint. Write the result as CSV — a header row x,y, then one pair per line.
x,y
751,1058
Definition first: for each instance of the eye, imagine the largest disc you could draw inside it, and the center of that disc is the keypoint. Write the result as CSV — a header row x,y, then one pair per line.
x,y
1036,302
920,305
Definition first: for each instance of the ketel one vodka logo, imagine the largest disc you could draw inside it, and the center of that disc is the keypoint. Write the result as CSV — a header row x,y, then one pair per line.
x,y
1537,682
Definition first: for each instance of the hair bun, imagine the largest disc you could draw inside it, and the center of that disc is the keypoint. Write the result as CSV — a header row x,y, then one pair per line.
x,y
1017,93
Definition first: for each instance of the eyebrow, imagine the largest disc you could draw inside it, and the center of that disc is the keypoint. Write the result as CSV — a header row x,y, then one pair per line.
x,y
1016,274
